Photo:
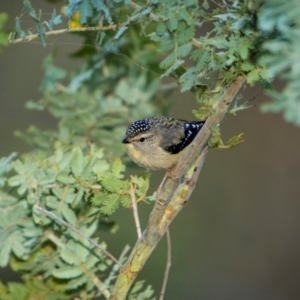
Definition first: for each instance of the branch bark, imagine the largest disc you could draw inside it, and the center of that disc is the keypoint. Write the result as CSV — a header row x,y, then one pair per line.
x,y
175,194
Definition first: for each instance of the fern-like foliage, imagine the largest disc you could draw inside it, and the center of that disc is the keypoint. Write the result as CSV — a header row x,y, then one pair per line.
x,y
73,185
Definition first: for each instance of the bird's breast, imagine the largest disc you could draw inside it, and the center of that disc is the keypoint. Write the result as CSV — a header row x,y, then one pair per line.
x,y
153,160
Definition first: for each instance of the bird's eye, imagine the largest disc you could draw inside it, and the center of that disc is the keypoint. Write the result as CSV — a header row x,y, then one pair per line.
x,y
142,139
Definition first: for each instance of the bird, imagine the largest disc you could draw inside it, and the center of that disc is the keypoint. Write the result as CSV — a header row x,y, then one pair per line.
x,y
157,143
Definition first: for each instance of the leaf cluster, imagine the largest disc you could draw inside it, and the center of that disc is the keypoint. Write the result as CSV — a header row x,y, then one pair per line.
x,y
80,187
279,21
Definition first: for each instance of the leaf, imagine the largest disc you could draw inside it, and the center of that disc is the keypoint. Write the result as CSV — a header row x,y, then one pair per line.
x,y
69,215
55,20
184,50
77,282
244,51
77,163
5,254
185,33
101,6
18,247
167,61
87,172
65,178
173,67
117,168
67,272
86,11
52,202
67,254
112,183
253,76
78,198
172,24
125,201
205,4
111,204
28,6
184,15
234,141
20,32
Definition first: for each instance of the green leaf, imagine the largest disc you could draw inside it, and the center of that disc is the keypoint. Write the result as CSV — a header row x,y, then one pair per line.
x,y
65,178
77,282
173,67
89,167
67,254
86,11
205,4
5,254
184,50
4,37
77,163
18,247
67,272
167,61
117,168
172,24
111,183
244,51
52,202
111,204
69,215
55,20
20,32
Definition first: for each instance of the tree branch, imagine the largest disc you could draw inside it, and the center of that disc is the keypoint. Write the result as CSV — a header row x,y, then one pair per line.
x,y
59,220
175,194
31,37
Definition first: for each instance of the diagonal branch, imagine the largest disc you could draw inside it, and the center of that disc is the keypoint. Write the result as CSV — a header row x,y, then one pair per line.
x,y
175,194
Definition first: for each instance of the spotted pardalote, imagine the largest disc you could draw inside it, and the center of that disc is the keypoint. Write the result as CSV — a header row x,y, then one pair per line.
x,y
159,142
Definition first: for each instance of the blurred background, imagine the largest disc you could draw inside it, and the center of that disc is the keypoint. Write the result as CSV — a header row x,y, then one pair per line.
x,y
238,237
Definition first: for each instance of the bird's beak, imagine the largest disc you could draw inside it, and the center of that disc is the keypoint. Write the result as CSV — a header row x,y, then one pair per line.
x,y
125,141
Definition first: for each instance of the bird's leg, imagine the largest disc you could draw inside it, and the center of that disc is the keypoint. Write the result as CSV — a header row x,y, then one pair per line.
x,y
168,174
157,200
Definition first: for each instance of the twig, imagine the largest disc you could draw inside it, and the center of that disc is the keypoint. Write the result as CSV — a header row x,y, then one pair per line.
x,y
135,211
60,31
168,266
53,216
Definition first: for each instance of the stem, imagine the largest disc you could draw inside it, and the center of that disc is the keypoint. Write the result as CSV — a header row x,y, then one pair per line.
x,y
168,266
60,31
135,211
